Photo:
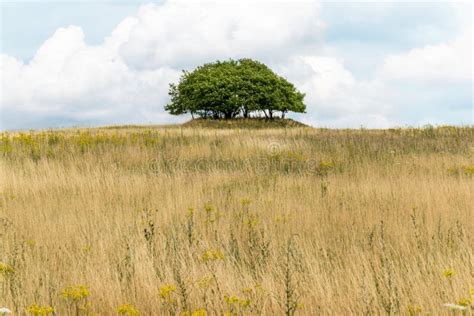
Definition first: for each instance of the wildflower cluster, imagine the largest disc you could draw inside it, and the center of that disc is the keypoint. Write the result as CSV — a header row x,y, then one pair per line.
x,y
465,302
245,202
236,304
235,300
128,310
6,269
463,170
75,293
205,282
5,147
37,310
469,170
166,292
251,220
414,310
212,255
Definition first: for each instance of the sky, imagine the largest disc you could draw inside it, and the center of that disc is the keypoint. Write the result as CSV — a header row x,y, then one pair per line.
x,y
376,64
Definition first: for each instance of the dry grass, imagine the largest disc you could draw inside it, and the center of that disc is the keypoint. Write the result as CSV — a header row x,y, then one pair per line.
x,y
267,221
252,123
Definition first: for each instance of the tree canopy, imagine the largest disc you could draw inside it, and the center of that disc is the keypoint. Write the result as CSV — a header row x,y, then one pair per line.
x,y
232,88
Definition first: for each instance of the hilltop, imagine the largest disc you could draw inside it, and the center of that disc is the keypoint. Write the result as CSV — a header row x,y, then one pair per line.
x,y
236,123
253,123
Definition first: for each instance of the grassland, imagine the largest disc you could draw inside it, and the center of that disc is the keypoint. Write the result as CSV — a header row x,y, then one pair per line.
x,y
243,221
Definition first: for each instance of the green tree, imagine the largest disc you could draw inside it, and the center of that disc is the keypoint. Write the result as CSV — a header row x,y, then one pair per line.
x,y
232,88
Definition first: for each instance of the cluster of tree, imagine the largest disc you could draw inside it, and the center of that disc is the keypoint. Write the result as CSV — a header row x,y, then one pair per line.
x,y
233,88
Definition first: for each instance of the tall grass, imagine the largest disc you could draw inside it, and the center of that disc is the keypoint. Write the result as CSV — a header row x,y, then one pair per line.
x,y
242,221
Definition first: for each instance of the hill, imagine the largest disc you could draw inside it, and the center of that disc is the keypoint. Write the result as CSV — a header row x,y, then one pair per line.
x,y
253,123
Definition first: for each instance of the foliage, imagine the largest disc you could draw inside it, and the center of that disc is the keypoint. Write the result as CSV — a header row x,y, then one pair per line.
x,y
226,89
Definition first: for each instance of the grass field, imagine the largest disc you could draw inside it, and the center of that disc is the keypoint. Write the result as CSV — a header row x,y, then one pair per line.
x,y
270,221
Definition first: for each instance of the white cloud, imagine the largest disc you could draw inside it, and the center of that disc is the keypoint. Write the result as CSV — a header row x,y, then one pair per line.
x,y
443,62
179,34
335,97
68,78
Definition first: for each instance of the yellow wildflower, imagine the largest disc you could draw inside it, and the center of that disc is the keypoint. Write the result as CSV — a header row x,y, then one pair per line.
x,y
247,290
252,290
212,255
469,170
245,202
449,273
231,299
37,310
245,302
205,282
414,310
465,302
128,310
75,293
208,208
281,219
252,221
85,308
6,269
235,300
199,312
166,291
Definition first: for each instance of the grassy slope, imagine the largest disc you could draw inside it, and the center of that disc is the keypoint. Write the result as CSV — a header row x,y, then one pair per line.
x,y
344,221
254,123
